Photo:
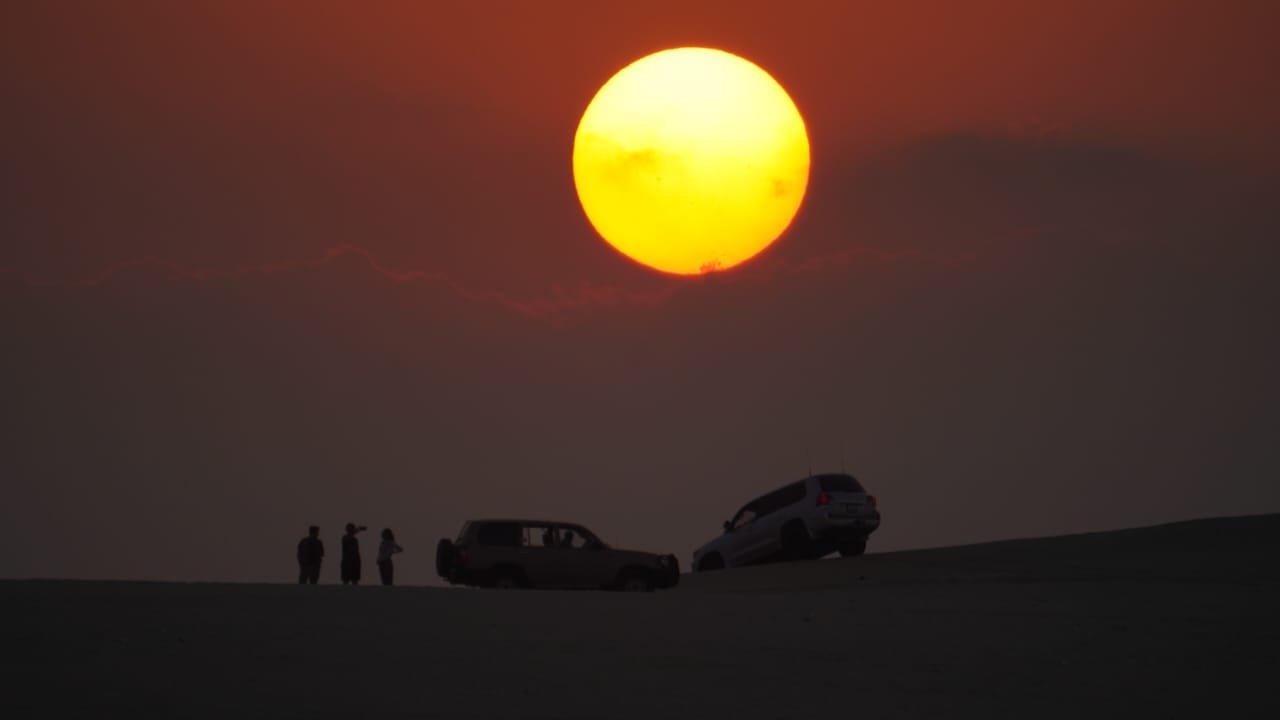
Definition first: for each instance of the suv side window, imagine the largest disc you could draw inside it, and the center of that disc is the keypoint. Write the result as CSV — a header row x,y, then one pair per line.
x,y
573,540
745,515
541,536
577,537
779,499
502,534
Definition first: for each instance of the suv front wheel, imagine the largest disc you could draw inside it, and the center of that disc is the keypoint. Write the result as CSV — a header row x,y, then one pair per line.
x,y
796,543
446,558
712,561
634,581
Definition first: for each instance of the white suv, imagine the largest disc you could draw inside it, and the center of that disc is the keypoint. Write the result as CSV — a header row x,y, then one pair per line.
x,y
806,519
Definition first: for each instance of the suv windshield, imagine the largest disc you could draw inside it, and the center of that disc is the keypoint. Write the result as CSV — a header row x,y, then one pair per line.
x,y
839,483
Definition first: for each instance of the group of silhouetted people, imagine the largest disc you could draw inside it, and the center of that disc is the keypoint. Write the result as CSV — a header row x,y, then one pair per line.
x,y
311,555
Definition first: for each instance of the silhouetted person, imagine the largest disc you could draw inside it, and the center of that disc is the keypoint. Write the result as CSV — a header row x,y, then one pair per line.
x,y
568,539
351,555
310,555
386,549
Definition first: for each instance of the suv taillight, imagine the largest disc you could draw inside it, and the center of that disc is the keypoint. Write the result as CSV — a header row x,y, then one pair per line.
x,y
871,499
823,498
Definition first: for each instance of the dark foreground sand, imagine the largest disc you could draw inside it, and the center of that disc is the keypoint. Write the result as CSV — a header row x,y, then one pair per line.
x,y
1174,621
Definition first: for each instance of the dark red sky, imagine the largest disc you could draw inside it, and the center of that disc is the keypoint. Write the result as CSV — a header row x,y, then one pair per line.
x,y
268,264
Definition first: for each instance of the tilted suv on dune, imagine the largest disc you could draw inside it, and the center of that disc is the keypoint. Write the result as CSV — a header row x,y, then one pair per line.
x,y
806,519
542,554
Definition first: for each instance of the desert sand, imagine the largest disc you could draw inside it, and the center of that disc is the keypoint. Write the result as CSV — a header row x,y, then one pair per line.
x,y
1178,620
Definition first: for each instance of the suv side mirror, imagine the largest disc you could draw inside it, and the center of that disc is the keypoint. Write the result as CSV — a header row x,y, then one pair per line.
x,y
728,526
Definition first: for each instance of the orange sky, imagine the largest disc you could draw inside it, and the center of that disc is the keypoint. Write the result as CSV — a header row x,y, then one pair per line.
x,y
417,107
298,262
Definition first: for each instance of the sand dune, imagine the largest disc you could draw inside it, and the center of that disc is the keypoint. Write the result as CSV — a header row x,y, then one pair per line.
x,y
1173,621
1243,549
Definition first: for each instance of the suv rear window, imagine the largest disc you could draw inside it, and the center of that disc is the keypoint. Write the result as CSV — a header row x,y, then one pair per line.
x,y
839,483
507,534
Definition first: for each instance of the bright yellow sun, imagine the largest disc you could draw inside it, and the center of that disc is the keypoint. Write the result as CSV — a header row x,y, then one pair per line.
x,y
691,160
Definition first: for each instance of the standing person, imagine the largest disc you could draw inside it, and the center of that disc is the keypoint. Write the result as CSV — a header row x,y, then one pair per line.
x,y
386,549
351,555
310,555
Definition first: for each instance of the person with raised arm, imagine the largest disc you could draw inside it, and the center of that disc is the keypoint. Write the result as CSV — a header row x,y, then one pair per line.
x,y
386,549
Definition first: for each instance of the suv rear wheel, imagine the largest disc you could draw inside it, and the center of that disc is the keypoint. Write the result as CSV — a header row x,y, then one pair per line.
x,y
507,578
854,547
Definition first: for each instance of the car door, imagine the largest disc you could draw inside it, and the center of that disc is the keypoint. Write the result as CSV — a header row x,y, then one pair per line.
x,y
776,509
739,536
584,560
537,561
557,563
497,544
758,543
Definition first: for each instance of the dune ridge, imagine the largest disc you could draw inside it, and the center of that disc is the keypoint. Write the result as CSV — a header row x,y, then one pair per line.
x,y
1226,549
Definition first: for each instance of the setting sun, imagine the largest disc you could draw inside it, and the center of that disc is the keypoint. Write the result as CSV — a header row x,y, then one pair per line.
x,y
691,160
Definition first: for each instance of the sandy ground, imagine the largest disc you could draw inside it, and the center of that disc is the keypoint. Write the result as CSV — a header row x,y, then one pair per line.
x,y
1174,621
